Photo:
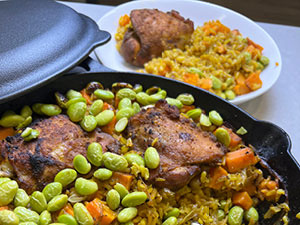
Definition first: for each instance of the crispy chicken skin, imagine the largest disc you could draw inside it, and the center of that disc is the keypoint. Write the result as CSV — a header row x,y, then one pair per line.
x,y
36,163
153,32
182,145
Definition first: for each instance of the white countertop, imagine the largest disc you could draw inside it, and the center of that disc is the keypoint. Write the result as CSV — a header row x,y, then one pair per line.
x,y
279,105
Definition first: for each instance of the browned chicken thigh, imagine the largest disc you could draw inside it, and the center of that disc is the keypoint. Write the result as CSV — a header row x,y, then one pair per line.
x,y
182,146
153,32
36,163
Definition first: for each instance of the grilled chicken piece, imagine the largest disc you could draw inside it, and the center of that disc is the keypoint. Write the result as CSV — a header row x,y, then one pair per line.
x,y
153,32
36,163
182,146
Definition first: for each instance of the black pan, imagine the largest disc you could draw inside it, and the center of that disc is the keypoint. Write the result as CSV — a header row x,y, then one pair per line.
x,y
271,142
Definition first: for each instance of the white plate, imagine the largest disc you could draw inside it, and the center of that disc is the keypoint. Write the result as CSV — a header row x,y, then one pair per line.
x,y
199,12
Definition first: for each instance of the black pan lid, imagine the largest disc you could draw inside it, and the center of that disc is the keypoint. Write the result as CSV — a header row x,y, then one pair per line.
x,y
40,40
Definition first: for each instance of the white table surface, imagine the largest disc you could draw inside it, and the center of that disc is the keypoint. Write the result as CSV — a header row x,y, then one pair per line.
x,y
281,104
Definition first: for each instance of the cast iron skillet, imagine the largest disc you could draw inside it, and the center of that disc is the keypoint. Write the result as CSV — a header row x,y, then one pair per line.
x,y
272,143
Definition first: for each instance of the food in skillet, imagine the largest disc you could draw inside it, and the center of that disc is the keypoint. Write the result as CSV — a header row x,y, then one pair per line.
x,y
124,156
214,58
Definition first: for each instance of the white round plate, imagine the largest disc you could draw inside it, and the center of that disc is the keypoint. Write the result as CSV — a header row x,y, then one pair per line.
x,y
199,12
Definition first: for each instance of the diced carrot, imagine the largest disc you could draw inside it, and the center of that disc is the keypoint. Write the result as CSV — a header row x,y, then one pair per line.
x,y
124,20
271,185
257,46
107,106
242,199
95,209
253,51
234,138
250,189
240,79
205,83
5,132
213,27
86,96
215,174
241,89
67,209
4,208
186,108
108,215
253,81
122,178
240,159
191,78
110,127
117,100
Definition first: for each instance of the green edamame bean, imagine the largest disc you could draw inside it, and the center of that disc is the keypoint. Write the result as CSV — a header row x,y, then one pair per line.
x,y
126,112
204,120
230,94
252,215
121,189
28,223
235,216
194,113
215,118
170,221
4,179
88,123
50,109
142,98
104,94
45,218
186,99
264,60
25,123
103,174
259,66
114,162
173,212
74,100
38,202
220,214
134,158
174,102
26,215
157,96
138,88
136,107
26,111
66,177
128,223
121,124
151,158
96,107
216,82
11,120
94,154
126,93
8,190
76,111
8,217
81,164
134,199
124,103
82,215
241,131
37,108
85,187
104,117
127,214
223,136
113,199
247,56
21,198
73,94
51,190
67,219
229,81
57,203
57,224
29,134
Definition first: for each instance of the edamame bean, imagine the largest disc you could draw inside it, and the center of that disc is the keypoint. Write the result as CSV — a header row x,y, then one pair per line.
x,y
66,177
21,198
142,98
134,158
94,154
8,217
85,187
136,107
51,190
251,215
50,109
128,223
57,203
114,162
151,158
153,90
215,118
88,123
220,214
204,120
67,219
26,215
241,131
222,136
25,123
38,202
76,111
126,93
216,83
61,100
104,117
26,111
121,124
37,108
264,60
45,218
113,199
121,189
186,99
29,134
93,86
8,190
73,94
73,101
11,120
96,107
174,102
138,88
124,103
103,174
126,112
155,97
28,223
4,179
194,113
173,212
170,221
82,215
127,214
230,94
81,164
235,216
104,94
134,199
